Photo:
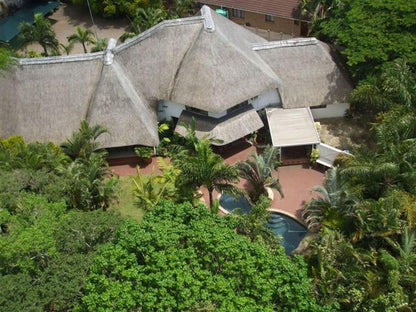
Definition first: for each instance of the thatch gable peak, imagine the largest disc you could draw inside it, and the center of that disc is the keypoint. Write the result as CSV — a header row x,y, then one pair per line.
x,y
109,55
209,25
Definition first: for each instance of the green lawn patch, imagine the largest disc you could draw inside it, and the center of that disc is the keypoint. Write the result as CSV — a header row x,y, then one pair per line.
x,y
126,205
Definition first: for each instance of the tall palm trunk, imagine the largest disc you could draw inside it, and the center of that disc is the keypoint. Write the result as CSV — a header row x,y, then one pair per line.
x,y
45,51
210,191
85,49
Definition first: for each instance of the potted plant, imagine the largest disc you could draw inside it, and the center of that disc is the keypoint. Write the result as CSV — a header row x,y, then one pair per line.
x,y
145,154
314,155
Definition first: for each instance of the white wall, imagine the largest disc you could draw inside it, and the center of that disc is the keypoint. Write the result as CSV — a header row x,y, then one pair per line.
x,y
270,97
167,109
330,111
217,115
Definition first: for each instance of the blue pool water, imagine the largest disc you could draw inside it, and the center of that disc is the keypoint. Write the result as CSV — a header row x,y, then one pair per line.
x,y
291,231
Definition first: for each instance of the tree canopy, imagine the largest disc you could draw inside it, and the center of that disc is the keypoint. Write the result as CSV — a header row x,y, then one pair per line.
x,y
370,32
183,258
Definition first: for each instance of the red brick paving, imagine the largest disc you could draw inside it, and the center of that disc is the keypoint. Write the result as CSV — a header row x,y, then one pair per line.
x,y
296,181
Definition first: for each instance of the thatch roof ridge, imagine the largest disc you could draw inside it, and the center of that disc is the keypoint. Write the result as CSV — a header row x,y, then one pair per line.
x,y
149,32
59,59
295,42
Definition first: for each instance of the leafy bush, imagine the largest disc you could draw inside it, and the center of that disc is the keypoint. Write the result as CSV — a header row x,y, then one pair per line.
x,y
46,252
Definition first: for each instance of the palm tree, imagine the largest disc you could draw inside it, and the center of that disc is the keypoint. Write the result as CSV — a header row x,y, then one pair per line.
x,y
100,45
395,86
84,142
90,183
407,257
68,47
83,36
147,17
333,206
143,19
257,170
149,190
205,168
41,32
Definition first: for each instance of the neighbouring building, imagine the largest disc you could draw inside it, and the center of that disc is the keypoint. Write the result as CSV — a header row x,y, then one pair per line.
x,y
274,15
204,67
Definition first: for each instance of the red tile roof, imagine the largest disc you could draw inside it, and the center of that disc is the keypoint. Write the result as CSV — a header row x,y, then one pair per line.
x,y
282,8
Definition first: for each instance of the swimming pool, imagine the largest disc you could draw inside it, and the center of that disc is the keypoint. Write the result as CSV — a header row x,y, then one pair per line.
x,y
291,230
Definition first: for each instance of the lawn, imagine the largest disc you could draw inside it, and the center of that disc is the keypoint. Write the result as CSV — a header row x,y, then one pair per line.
x,y
126,206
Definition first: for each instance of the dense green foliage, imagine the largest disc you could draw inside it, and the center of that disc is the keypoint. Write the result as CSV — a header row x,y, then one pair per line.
x,y
41,32
364,252
183,258
45,253
121,8
394,86
363,255
46,247
5,59
370,32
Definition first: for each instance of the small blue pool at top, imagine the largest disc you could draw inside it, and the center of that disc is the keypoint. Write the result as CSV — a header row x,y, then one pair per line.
x,y
291,230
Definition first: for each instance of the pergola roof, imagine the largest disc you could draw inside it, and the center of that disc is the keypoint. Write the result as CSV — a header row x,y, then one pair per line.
x,y
292,127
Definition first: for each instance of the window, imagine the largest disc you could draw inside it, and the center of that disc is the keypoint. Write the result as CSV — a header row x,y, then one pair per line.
x,y
238,13
196,111
269,18
237,107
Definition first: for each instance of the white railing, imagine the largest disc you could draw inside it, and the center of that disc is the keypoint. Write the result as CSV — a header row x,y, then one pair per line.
x,y
327,154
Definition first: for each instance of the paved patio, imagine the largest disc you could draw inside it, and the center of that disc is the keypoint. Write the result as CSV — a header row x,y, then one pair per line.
x,y
296,181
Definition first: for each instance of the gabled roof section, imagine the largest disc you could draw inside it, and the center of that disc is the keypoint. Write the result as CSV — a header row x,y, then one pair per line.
x,y
44,99
220,70
120,108
151,60
309,74
282,8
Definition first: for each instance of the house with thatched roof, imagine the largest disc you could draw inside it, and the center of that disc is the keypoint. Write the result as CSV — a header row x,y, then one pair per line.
x,y
204,67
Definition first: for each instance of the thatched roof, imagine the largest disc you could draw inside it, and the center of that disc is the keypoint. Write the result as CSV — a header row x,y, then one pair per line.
x,y
309,75
118,105
220,70
206,62
226,129
45,99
